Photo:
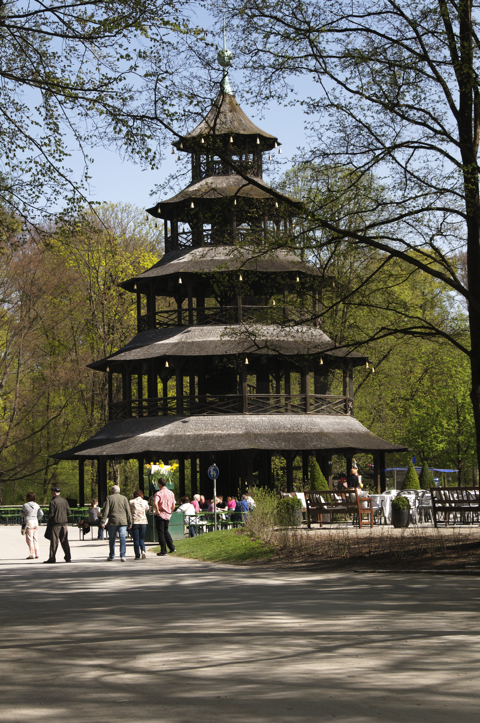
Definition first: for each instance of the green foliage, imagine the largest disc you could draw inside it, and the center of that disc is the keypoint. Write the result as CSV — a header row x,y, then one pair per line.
x,y
400,503
264,516
317,478
287,511
411,478
426,477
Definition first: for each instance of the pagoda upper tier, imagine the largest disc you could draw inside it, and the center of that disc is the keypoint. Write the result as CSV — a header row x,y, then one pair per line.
x,y
227,201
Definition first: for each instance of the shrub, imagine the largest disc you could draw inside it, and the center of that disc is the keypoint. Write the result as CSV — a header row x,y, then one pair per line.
x,y
287,507
411,479
400,503
426,477
261,521
317,479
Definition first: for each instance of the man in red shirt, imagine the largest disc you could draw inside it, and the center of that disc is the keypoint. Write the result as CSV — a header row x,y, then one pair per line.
x,y
163,506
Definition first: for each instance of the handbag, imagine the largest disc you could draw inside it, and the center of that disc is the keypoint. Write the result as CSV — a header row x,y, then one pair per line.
x,y
48,532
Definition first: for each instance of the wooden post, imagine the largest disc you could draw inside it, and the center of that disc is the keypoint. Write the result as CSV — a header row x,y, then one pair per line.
x,y
376,472
102,481
305,387
81,482
288,401
345,389
193,475
179,386
140,390
289,460
244,389
181,476
139,311
305,460
110,395
350,390
141,476
190,302
382,465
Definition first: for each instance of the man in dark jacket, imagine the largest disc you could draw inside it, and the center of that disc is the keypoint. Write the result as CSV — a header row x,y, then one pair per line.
x,y
58,513
118,516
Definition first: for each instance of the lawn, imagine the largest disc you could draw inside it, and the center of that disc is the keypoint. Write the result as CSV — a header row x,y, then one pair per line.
x,y
233,546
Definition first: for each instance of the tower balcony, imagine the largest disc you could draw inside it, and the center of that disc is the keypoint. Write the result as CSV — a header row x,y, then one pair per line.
x,y
207,405
221,315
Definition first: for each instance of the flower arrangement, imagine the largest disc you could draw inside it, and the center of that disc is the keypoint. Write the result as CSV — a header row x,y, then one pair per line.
x,y
156,471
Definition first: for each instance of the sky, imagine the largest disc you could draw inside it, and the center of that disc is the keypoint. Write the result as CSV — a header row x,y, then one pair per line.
x,y
114,180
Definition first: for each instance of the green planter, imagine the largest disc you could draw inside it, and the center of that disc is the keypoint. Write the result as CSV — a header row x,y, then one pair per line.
x,y
175,527
400,518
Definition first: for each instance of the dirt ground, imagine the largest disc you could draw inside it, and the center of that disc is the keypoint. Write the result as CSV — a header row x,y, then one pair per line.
x,y
421,548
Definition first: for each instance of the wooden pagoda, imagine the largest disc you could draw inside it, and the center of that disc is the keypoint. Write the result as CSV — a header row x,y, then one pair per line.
x,y
230,363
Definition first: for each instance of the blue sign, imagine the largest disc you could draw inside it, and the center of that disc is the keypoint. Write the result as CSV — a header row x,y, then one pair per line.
x,y
213,471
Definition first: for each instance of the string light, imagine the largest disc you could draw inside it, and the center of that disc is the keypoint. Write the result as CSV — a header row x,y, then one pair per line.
x,y
166,364
321,360
231,139
276,204
202,140
366,365
279,150
258,141
246,360
298,279
192,205
273,302
234,201
179,279
240,278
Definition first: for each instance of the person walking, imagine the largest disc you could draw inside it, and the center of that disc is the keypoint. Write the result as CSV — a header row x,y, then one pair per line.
x,y
32,513
58,513
163,506
139,508
116,514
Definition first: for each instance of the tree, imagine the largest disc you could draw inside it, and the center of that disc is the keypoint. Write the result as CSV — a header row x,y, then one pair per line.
x,y
80,74
61,309
411,478
398,96
426,477
317,479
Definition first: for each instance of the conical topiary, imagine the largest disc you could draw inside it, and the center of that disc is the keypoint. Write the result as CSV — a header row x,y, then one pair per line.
x,y
411,479
317,480
426,477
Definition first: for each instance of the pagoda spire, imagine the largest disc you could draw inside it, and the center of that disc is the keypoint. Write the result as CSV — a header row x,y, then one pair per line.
x,y
224,58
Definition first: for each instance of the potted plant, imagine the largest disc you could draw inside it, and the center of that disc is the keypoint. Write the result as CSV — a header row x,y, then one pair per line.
x,y
400,511
289,511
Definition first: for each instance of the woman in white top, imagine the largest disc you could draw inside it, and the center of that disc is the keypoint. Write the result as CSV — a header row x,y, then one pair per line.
x,y
31,514
189,515
139,508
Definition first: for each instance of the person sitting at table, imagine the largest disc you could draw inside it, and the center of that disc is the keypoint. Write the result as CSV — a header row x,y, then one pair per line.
x,y
204,504
221,504
196,502
188,511
231,503
94,519
211,507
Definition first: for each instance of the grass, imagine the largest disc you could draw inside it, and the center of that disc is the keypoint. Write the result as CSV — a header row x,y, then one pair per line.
x,y
232,546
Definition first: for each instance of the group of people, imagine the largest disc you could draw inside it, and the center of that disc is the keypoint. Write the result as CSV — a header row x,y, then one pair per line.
x,y
120,514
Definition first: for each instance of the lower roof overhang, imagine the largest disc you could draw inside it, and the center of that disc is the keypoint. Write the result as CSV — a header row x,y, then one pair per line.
x,y
132,438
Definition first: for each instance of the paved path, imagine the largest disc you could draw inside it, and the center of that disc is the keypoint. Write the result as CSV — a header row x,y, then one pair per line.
x,y
179,641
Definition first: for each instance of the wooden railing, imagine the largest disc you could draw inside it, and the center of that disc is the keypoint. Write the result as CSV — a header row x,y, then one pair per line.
x,y
233,404
215,315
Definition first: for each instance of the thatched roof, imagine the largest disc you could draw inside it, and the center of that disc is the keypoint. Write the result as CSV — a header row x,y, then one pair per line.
x,y
224,259
224,433
234,339
225,118
205,193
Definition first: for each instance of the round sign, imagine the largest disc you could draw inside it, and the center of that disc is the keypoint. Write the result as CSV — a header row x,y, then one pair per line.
x,y
213,471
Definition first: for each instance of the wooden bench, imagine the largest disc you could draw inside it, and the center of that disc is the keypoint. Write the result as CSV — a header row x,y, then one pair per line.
x,y
463,503
343,502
